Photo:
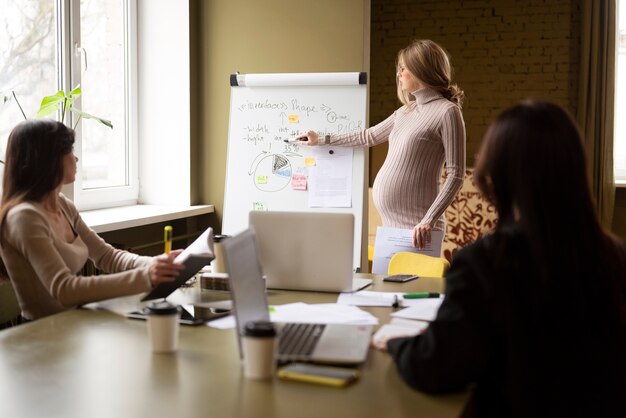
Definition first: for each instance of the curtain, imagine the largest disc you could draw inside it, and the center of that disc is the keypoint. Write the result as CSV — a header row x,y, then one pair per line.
x,y
596,99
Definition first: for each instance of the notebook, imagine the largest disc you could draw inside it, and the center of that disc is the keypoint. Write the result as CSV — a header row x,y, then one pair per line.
x,y
321,343
194,257
307,250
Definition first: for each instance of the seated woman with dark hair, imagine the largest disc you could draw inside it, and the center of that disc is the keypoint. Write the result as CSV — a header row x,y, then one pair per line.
x,y
44,242
534,314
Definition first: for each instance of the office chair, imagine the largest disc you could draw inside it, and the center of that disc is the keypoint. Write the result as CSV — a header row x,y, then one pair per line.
x,y
9,306
418,264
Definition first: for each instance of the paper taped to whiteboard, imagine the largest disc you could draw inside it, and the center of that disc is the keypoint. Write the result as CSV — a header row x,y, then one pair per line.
x,y
298,79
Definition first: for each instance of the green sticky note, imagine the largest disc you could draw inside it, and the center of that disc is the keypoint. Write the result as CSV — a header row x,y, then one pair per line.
x,y
258,206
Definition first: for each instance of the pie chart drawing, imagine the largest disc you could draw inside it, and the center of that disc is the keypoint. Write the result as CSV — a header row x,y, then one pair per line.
x,y
272,173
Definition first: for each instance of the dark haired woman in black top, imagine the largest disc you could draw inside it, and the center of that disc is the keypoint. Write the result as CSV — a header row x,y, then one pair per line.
x,y
534,314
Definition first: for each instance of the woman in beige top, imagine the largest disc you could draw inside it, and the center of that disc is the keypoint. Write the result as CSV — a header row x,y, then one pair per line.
x,y
44,242
425,133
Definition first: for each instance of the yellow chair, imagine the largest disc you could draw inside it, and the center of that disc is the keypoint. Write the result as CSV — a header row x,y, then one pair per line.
x,y
418,264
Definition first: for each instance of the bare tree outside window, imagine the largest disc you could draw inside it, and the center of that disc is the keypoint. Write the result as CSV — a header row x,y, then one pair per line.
x,y
27,58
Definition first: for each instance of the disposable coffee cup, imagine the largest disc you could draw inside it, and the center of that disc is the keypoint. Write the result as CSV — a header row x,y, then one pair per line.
x,y
217,265
163,326
259,344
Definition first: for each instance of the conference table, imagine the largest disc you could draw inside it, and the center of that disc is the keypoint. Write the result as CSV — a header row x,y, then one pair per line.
x,y
97,363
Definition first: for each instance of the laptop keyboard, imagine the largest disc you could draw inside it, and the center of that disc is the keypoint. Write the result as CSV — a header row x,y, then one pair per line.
x,y
299,339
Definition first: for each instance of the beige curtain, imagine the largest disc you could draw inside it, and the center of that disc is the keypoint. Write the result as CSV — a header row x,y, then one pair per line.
x,y
597,99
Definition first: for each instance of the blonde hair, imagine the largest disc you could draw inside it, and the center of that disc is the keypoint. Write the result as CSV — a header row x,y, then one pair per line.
x,y
430,63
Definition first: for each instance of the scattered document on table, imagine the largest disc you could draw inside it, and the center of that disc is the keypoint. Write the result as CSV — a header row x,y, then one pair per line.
x,y
330,179
299,312
368,298
394,240
399,327
422,309
372,298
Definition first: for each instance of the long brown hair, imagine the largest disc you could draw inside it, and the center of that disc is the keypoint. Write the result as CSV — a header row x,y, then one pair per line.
x,y
33,162
532,167
430,63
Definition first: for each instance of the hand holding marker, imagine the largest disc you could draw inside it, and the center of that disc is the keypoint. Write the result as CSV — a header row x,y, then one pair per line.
x,y
296,139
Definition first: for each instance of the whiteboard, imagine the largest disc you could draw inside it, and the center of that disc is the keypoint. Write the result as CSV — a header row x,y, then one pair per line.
x,y
266,110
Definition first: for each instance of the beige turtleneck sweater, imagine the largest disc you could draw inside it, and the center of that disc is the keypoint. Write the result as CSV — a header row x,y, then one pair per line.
x,y
43,267
422,137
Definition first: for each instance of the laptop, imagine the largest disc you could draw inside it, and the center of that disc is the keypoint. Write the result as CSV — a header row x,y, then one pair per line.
x,y
320,343
307,250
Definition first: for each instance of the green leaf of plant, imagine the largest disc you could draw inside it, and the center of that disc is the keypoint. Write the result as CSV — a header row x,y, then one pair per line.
x,y
86,115
50,104
75,93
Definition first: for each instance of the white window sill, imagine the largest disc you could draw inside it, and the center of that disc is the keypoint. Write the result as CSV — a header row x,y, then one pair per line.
x,y
113,219
620,184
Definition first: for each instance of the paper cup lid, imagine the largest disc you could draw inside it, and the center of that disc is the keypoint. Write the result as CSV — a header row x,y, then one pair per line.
x,y
163,308
259,329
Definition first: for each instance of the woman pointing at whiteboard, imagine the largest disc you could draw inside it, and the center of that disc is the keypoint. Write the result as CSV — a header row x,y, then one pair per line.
x,y
426,132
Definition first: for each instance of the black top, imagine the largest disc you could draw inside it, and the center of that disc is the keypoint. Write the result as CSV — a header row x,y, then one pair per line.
x,y
530,353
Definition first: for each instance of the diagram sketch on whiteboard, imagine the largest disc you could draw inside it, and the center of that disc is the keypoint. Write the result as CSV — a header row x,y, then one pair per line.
x,y
272,172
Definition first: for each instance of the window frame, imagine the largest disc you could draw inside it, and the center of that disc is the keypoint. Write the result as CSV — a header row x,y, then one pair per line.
x,y
69,63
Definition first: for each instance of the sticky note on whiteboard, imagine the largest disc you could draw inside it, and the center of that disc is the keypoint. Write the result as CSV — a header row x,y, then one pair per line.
x,y
309,161
293,118
298,182
259,206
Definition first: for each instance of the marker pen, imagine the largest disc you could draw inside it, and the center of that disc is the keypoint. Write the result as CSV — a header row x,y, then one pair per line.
x,y
421,295
167,238
298,139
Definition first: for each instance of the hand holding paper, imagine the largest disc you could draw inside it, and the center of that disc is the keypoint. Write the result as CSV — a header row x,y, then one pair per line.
x,y
194,257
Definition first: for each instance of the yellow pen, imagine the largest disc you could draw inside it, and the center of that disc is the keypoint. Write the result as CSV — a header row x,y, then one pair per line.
x,y
167,238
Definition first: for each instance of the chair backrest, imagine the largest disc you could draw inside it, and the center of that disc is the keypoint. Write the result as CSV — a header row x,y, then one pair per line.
x,y
418,264
9,306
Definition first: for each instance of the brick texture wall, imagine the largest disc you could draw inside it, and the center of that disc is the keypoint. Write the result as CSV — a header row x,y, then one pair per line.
x,y
502,51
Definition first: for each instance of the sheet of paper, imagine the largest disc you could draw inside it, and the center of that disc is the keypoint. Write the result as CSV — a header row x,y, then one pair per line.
x,y
422,309
394,240
369,298
399,327
299,312
330,179
203,245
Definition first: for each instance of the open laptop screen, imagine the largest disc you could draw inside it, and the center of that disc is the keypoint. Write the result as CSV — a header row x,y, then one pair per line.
x,y
244,268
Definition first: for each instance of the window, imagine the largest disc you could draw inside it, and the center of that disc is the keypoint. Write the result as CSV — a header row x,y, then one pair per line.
x,y
58,44
27,59
619,147
119,53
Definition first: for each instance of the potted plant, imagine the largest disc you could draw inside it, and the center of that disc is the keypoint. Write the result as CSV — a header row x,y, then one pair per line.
x,y
59,101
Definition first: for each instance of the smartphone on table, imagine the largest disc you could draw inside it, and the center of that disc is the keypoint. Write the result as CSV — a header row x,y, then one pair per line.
x,y
400,278
314,373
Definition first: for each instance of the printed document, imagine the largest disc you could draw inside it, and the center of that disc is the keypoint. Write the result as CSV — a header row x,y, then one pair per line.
x,y
330,179
394,240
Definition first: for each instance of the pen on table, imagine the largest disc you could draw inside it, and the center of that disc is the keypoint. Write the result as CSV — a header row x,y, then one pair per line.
x,y
395,303
421,295
167,238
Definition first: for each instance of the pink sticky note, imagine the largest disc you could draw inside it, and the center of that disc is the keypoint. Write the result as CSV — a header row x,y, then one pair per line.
x,y
298,182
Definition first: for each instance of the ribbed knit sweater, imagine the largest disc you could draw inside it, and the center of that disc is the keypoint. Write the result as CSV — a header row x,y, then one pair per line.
x,y
43,268
422,136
